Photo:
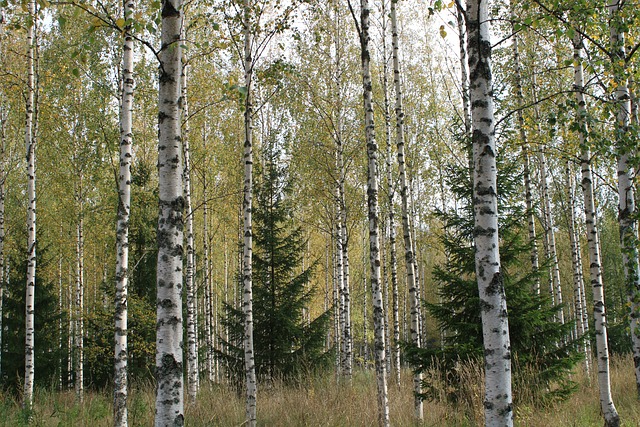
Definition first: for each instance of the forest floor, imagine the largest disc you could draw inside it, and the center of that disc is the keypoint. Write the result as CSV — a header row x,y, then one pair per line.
x,y
324,403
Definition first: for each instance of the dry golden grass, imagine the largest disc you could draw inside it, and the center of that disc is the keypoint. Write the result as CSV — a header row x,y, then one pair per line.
x,y
323,402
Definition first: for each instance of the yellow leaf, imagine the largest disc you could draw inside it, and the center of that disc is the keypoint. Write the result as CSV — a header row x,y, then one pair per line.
x,y
120,22
443,33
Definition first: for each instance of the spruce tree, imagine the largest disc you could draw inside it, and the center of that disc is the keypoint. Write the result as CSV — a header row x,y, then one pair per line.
x,y
285,344
543,355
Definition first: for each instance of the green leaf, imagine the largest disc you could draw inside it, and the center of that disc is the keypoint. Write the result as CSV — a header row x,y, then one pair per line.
x,y
75,72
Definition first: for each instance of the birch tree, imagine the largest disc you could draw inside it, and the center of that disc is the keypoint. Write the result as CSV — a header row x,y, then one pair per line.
x,y
3,178
526,161
393,257
120,415
581,317
30,141
495,324
169,343
192,337
373,215
409,254
625,147
79,294
612,419
247,259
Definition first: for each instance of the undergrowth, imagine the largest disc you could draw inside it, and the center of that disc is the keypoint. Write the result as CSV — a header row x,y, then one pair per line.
x,y
324,402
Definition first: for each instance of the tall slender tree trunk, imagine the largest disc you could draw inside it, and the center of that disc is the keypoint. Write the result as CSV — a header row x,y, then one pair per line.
x,y
247,272
556,289
393,256
342,312
365,302
121,352
192,337
409,254
79,305
206,280
612,419
498,403
169,339
374,227
60,324
3,177
30,140
526,161
625,147
581,319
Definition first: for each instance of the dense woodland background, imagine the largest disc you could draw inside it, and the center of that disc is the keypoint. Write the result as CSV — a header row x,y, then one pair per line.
x,y
306,91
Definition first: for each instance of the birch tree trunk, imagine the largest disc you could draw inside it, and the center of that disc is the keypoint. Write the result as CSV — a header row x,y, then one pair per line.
x,y
372,202
206,280
169,340
30,141
495,323
79,305
121,355
535,264
612,419
342,312
409,255
556,289
3,177
247,279
626,194
393,256
192,337
581,319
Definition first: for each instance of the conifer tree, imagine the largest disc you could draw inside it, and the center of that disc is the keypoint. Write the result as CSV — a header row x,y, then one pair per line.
x,y
284,343
539,363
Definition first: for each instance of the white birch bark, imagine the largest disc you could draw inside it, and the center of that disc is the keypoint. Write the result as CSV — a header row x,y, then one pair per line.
x,y
121,351
495,323
60,323
206,280
30,141
409,255
3,177
169,340
71,316
365,308
192,338
372,202
247,273
535,264
556,289
393,256
612,419
582,325
347,335
79,304
626,195
340,288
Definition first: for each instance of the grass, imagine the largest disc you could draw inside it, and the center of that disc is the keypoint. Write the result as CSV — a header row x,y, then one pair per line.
x,y
322,402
